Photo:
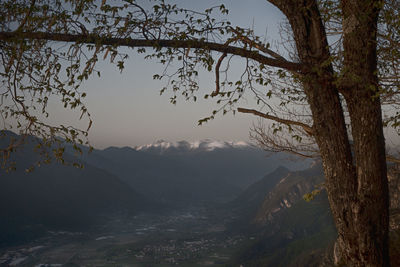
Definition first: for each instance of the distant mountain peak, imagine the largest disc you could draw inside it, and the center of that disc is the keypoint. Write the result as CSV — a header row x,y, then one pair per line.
x,y
184,146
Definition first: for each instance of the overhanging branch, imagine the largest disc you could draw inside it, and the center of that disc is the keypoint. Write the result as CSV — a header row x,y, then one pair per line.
x,y
308,129
392,159
129,42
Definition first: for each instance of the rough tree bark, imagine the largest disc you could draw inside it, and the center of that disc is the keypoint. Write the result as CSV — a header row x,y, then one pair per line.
x,y
356,183
361,93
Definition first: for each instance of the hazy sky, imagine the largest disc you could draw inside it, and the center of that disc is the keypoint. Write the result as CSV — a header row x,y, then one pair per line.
x,y
128,110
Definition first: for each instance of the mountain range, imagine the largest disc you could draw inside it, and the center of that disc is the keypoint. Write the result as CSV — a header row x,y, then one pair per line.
x,y
204,171
162,146
123,179
263,191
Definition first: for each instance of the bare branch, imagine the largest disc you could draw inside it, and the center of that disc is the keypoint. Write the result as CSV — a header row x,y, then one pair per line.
x,y
392,159
308,129
216,92
259,46
267,139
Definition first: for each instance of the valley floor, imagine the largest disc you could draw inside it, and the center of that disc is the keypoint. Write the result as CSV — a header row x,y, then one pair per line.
x,y
190,237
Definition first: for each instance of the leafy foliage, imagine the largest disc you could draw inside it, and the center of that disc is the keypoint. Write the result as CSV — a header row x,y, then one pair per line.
x,y
36,70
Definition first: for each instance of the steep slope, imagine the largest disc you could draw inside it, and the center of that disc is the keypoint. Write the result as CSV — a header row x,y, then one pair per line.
x,y
249,202
302,236
290,190
292,232
288,231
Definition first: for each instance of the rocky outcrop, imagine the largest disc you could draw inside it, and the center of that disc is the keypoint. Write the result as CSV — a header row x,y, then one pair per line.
x,y
290,225
289,190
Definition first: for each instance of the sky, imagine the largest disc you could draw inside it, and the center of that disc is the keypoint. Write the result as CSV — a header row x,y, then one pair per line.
x,y
127,109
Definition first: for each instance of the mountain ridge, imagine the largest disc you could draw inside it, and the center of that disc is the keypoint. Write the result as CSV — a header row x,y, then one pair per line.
x,y
185,146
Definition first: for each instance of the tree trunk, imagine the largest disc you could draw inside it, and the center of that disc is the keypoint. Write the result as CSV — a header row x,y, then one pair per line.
x,y
356,182
360,89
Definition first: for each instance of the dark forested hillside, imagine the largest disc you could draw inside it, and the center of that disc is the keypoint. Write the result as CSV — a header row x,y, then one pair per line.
x,y
57,197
